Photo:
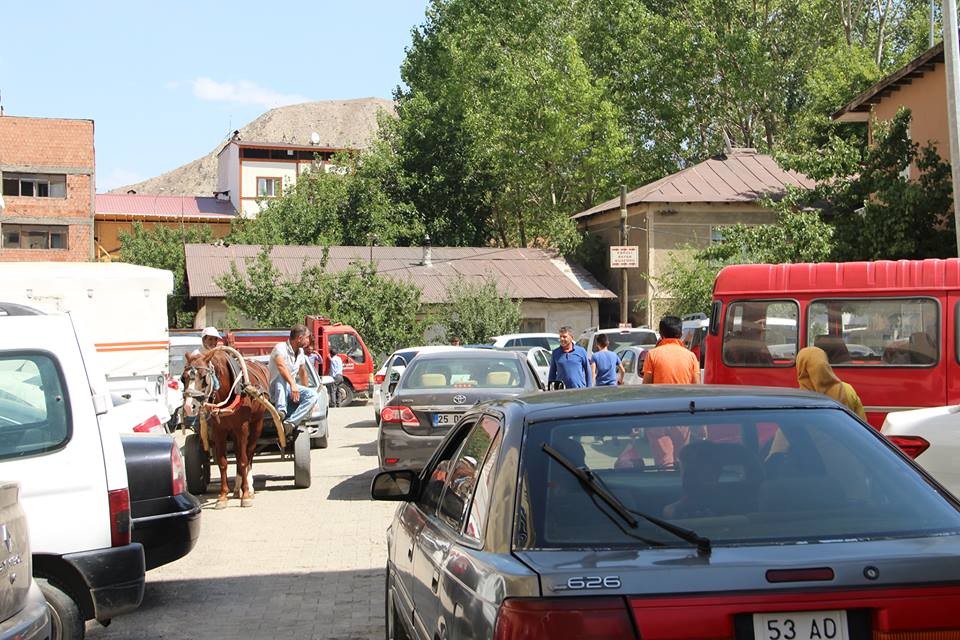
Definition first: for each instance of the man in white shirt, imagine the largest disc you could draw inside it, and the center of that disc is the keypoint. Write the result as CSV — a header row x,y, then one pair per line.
x,y
336,372
286,359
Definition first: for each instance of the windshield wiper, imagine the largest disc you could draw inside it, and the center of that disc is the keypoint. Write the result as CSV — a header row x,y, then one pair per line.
x,y
590,481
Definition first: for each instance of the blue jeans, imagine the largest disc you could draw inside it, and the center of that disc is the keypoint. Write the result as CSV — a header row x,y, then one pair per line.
x,y
280,393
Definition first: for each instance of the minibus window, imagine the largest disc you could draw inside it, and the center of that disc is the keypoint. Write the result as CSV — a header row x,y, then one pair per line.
x,y
761,333
876,331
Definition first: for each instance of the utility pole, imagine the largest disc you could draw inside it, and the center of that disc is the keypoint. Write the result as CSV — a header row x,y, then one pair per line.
x,y
623,242
951,54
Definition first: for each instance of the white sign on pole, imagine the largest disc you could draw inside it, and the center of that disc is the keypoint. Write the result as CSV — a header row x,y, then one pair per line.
x,y
624,257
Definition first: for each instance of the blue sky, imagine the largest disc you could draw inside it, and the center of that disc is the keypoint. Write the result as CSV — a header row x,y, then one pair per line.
x,y
166,81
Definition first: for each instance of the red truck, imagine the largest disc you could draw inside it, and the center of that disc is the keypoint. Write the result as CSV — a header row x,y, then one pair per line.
x,y
357,361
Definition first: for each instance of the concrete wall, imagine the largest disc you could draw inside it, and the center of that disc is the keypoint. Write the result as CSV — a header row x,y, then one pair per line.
x,y
51,146
250,170
926,97
228,173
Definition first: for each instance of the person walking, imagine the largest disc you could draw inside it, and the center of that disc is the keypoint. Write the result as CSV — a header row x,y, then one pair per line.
x,y
569,363
336,372
814,373
608,371
670,362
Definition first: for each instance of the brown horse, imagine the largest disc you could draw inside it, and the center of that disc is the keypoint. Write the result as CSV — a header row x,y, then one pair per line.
x,y
233,406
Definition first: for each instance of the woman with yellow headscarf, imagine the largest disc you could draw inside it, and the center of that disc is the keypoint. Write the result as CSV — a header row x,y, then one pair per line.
x,y
814,373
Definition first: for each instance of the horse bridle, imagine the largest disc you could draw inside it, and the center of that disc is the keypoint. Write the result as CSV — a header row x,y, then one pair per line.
x,y
208,383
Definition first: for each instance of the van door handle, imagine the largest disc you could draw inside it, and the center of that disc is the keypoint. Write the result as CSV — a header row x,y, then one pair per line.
x,y
435,581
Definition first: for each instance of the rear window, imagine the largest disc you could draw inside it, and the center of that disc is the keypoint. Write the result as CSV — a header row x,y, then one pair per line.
x,y
738,477
629,339
34,417
464,373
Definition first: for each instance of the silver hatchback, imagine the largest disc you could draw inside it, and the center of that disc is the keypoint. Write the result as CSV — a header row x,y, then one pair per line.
x,y
664,511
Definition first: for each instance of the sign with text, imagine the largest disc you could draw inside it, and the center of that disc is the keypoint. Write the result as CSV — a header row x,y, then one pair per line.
x,y
624,257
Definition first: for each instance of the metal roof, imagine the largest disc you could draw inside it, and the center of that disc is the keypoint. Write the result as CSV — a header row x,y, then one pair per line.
x,y
519,273
142,206
742,175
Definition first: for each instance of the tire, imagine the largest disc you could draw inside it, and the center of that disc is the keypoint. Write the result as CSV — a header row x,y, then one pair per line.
x,y
65,619
346,395
301,461
196,462
393,629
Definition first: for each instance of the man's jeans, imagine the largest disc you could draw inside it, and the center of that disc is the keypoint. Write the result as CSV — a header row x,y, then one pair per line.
x,y
280,392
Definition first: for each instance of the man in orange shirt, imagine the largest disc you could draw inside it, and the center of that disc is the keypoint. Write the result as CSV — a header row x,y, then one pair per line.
x,y
670,362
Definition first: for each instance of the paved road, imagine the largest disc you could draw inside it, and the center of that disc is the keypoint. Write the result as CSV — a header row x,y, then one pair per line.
x,y
300,563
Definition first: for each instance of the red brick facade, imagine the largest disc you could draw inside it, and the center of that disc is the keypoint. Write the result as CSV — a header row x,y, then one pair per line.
x,y
55,147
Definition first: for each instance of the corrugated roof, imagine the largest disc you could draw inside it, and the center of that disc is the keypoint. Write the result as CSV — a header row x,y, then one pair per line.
x,y
743,175
153,206
519,273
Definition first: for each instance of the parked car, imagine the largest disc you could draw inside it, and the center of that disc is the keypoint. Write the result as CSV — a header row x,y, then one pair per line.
x,y
619,338
23,610
787,518
548,341
70,464
632,359
539,359
435,391
931,437
385,380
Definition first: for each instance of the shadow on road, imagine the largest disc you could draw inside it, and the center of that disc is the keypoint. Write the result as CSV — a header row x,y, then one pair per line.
x,y
260,484
354,487
281,605
361,424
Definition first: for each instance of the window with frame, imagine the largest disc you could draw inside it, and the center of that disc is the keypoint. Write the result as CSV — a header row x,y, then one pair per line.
x,y
459,490
34,417
35,185
269,187
876,331
22,236
348,345
761,333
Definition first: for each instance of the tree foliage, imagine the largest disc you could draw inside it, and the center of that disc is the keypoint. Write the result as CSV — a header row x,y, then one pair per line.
x,y
474,312
162,247
386,313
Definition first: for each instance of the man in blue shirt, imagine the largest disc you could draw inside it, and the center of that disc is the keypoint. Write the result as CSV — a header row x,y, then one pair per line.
x,y
606,364
570,363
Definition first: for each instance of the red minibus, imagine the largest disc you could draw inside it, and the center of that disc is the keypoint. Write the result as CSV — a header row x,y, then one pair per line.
x,y
889,328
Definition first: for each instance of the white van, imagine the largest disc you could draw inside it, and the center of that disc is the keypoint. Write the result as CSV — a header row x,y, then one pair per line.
x,y
55,441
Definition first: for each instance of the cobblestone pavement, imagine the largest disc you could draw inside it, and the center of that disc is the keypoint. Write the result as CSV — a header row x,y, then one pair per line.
x,y
300,563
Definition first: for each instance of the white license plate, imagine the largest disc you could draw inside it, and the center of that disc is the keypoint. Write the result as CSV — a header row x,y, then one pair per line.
x,y
800,625
446,419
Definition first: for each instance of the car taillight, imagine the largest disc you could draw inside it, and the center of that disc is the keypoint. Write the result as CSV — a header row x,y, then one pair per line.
x,y
150,425
119,517
178,471
379,378
581,618
173,383
913,446
399,415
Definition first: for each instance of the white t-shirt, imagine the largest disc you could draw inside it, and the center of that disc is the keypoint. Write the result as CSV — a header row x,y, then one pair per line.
x,y
293,361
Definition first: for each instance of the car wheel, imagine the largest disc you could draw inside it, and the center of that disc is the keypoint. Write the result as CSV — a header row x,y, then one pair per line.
x,y
393,627
196,463
301,461
65,619
345,394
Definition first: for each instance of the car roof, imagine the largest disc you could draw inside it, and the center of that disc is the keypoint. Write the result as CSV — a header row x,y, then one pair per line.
x,y
604,401
466,353
542,334
430,348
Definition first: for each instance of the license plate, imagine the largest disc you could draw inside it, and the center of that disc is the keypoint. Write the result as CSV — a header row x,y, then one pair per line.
x,y
800,625
446,419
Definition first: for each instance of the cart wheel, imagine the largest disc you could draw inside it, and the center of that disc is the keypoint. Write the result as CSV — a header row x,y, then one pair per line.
x,y
345,394
301,460
196,463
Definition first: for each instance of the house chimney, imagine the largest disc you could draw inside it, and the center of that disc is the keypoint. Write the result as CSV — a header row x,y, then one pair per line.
x,y
427,258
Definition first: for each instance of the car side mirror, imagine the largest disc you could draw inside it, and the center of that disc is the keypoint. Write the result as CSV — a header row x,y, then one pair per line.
x,y
397,485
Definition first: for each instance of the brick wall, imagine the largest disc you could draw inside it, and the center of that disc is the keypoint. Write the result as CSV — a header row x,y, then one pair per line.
x,y
54,146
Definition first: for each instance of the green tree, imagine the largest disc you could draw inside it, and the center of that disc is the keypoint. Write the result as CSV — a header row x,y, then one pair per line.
x,y
387,313
162,247
474,312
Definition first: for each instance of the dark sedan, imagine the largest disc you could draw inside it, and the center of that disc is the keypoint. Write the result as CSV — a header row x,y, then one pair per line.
x,y
780,517
436,390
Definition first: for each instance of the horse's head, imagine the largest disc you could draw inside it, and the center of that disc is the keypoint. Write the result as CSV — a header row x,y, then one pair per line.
x,y
198,384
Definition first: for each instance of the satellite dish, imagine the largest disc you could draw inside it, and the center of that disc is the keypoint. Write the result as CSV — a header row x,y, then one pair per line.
x,y
315,138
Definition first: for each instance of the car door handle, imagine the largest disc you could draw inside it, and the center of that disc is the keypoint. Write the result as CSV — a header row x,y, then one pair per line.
x,y
410,552
435,581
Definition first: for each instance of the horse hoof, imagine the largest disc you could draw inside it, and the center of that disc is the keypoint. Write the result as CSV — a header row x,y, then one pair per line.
x,y
221,504
246,502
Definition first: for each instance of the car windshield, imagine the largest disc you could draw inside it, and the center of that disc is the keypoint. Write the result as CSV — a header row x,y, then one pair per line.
x,y
736,477
462,373
630,339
